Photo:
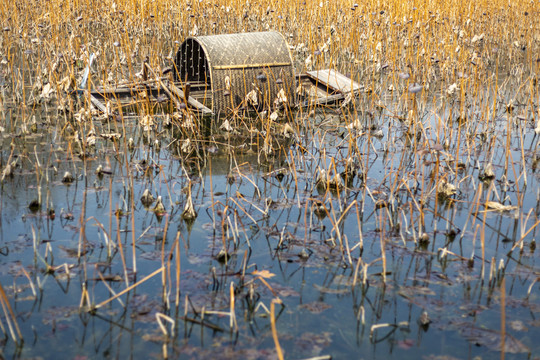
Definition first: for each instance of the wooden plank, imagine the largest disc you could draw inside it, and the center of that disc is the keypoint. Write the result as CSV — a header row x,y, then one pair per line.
x,y
124,94
191,101
311,90
128,86
93,100
172,89
321,101
98,104
163,86
334,80
118,93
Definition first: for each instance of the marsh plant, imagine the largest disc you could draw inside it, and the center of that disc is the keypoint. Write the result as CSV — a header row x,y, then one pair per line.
x,y
402,220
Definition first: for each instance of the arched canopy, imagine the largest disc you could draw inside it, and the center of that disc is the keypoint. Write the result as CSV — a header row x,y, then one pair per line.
x,y
232,65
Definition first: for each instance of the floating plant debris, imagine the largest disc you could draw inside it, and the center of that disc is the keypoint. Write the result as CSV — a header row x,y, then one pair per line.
x,y
284,180
492,339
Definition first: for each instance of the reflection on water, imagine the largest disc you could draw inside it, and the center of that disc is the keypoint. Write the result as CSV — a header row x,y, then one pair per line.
x,y
420,255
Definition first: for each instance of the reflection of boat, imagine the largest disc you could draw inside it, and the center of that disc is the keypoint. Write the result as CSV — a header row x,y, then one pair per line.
x,y
246,154
229,74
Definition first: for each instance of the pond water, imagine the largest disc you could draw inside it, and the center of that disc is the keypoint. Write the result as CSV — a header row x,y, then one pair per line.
x,y
423,254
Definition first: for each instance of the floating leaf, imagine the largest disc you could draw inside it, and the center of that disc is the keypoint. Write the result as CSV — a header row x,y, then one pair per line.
x,y
285,291
328,290
151,255
55,314
491,339
144,309
406,344
313,342
412,291
73,252
316,307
